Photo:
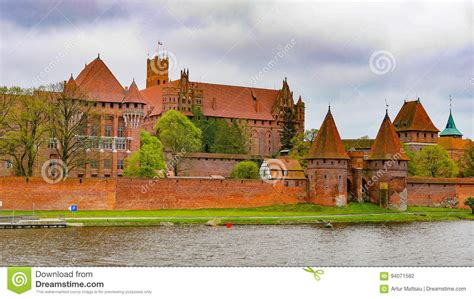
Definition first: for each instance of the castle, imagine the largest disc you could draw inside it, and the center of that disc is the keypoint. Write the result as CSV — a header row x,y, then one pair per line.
x,y
337,171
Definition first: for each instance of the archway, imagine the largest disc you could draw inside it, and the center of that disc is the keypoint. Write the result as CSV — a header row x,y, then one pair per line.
x,y
365,190
350,194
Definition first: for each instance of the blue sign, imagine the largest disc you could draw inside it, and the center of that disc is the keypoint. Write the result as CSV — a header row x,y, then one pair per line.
x,y
73,208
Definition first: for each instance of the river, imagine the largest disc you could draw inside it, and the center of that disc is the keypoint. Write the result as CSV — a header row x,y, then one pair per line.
x,y
394,244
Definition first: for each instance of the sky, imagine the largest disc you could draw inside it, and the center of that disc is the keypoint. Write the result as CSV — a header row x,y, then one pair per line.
x,y
355,56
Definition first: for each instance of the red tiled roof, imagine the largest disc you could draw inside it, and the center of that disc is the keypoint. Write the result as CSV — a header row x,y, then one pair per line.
x,y
413,117
387,146
230,101
328,143
133,95
452,143
99,83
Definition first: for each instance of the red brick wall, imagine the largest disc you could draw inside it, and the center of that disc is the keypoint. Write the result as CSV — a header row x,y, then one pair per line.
x,y
205,193
18,194
137,194
434,192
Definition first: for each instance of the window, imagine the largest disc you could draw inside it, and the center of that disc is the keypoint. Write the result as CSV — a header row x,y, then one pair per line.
x,y
95,130
286,183
9,163
108,131
106,143
120,131
52,143
107,163
120,144
120,164
94,164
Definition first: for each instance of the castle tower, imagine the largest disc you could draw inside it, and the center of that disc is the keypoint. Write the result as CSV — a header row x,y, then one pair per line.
x,y
327,166
451,130
133,112
414,126
157,71
386,169
299,115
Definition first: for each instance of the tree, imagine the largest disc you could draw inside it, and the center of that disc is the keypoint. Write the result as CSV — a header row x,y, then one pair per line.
x,y
68,116
26,126
148,161
412,164
8,98
207,127
434,161
178,134
470,203
288,131
245,170
301,145
466,162
230,138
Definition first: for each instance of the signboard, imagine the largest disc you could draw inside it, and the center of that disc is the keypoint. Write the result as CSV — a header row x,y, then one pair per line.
x,y
73,208
384,186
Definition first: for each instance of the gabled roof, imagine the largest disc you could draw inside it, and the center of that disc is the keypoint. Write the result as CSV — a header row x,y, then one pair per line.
x,y
387,146
133,95
99,83
413,117
451,129
230,101
328,143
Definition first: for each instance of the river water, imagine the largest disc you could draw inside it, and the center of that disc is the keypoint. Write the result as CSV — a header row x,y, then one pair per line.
x,y
402,244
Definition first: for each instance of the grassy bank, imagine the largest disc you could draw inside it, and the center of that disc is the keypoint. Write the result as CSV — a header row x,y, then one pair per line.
x,y
287,214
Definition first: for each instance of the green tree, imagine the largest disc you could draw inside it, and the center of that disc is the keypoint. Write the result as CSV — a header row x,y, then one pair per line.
x,y
178,134
288,131
26,126
301,145
148,161
68,115
434,161
207,127
470,203
245,170
412,169
230,138
466,162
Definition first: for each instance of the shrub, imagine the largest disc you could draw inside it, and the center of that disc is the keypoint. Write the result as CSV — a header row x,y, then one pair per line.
x,y
470,203
245,170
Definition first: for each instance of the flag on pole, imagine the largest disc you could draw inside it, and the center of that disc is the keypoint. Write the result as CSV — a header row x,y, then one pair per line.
x,y
159,43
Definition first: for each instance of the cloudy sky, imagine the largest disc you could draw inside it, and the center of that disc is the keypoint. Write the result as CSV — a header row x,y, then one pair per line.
x,y
353,55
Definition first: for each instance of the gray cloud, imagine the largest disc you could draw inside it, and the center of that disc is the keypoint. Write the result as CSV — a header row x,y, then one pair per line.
x,y
231,42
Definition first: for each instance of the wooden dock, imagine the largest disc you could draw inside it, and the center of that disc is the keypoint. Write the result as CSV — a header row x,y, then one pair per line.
x,y
13,222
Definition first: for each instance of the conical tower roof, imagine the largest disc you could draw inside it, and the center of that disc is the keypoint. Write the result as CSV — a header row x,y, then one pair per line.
x,y
450,129
387,146
328,143
133,95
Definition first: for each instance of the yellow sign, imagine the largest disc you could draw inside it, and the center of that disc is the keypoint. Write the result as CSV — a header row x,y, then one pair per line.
x,y
384,186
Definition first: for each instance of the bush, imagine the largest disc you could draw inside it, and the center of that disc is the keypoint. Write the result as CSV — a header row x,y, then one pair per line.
x,y
470,203
245,170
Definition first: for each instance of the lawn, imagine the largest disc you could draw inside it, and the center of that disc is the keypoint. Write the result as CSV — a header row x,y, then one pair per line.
x,y
281,214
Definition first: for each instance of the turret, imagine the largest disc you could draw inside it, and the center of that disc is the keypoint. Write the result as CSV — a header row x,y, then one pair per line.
x,y
327,166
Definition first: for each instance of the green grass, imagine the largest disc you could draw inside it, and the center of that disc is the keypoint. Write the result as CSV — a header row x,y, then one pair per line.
x,y
354,212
